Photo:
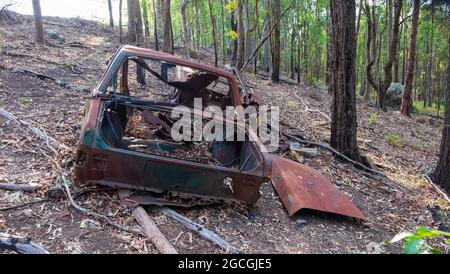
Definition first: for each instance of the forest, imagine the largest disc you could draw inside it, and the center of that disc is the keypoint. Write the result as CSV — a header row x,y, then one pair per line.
x,y
363,89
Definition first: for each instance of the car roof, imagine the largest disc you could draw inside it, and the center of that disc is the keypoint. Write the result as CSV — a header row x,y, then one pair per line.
x,y
163,56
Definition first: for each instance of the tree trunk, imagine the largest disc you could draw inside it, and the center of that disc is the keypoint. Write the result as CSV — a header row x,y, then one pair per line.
x,y
186,35
442,172
168,43
222,14
137,24
240,35
120,22
276,9
407,102
213,23
342,84
145,17
39,28
266,55
131,35
155,23
111,20
233,26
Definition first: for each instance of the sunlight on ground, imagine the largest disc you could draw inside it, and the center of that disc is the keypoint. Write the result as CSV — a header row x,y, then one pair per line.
x,y
87,9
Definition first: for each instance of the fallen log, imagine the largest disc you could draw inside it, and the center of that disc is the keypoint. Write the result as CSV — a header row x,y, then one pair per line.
x,y
149,227
20,245
18,187
202,231
152,231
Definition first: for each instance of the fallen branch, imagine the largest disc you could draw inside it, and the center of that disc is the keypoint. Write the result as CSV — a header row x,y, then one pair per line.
x,y
23,205
313,110
152,232
20,245
60,83
202,231
266,37
342,156
50,142
18,187
149,227
442,193
94,214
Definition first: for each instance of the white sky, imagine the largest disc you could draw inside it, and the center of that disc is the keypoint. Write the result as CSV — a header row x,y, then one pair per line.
x,y
87,9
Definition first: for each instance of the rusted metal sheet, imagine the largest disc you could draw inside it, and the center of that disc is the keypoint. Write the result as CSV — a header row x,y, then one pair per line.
x,y
301,187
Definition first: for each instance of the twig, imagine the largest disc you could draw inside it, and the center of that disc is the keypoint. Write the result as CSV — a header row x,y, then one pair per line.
x,y
20,245
342,156
313,110
23,205
18,187
437,188
202,231
95,214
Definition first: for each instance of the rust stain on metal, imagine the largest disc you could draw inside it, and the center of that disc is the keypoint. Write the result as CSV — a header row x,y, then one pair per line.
x,y
301,187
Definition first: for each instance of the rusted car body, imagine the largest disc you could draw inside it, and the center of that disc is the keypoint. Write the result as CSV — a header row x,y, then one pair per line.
x,y
234,170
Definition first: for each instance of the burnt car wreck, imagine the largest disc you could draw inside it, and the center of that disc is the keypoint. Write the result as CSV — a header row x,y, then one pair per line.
x,y
126,141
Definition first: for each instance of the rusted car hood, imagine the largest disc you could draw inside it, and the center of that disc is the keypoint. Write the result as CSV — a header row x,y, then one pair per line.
x,y
301,187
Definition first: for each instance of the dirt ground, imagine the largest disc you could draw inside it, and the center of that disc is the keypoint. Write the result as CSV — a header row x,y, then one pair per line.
x,y
264,228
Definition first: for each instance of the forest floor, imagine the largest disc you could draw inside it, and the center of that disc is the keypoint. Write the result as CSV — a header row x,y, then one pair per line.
x,y
264,228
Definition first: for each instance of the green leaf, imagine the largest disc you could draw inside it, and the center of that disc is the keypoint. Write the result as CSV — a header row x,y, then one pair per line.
x,y
400,236
412,245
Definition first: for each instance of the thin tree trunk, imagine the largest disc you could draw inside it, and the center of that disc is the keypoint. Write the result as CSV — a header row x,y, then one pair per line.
x,y
266,55
276,43
39,28
222,14
406,107
120,22
168,41
155,23
111,20
145,17
213,23
138,27
131,35
186,36
343,82
240,34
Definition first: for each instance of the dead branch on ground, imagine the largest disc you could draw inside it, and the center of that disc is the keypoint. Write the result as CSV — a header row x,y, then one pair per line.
x,y
202,231
18,187
20,245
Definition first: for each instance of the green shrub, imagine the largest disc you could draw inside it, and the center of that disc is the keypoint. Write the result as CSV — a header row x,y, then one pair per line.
x,y
24,100
416,243
394,140
373,116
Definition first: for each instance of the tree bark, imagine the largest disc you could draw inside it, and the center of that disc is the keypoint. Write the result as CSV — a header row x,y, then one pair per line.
x,y
186,35
342,84
131,35
39,28
266,55
111,20
441,174
145,18
214,31
276,8
168,43
406,107
155,23
240,35
120,22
